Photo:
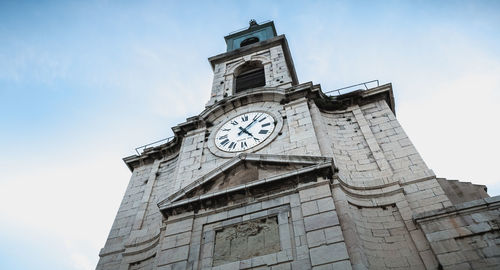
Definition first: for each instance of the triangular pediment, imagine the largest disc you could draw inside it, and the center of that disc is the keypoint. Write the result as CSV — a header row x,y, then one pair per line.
x,y
244,172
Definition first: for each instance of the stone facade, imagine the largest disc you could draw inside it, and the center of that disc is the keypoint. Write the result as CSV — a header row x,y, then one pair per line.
x,y
337,185
464,236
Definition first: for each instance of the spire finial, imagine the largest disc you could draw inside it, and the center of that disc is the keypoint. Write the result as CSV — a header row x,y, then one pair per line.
x,y
252,22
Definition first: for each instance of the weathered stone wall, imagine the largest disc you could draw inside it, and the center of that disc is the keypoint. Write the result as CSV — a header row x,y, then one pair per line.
x,y
379,212
138,219
384,238
465,236
302,138
125,218
350,148
309,234
297,137
375,159
460,192
369,144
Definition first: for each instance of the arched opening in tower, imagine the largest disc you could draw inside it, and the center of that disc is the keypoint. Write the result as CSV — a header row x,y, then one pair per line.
x,y
250,75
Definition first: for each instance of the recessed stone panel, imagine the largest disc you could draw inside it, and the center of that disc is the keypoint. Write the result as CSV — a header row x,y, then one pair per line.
x,y
246,240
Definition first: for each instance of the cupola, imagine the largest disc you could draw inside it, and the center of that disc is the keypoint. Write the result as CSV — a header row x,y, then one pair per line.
x,y
253,34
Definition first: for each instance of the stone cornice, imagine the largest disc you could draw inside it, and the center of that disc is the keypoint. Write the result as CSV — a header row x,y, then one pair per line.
x,y
358,97
181,198
262,94
472,206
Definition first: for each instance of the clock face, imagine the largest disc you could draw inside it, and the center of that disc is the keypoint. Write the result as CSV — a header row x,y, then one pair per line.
x,y
244,131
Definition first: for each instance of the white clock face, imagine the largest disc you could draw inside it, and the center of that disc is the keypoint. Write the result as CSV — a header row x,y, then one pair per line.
x,y
244,131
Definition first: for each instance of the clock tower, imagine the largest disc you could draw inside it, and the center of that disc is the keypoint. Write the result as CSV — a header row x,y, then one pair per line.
x,y
277,174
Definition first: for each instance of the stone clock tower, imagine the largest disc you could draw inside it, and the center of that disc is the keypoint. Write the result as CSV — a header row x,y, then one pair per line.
x,y
275,174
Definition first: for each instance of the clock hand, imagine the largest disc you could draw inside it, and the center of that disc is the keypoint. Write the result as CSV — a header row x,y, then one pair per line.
x,y
245,131
254,120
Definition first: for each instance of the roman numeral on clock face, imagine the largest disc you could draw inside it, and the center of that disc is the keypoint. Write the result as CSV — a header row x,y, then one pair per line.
x,y
263,131
243,145
265,125
224,142
244,118
234,122
223,137
232,145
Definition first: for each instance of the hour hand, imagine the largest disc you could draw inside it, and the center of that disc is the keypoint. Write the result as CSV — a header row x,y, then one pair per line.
x,y
249,125
245,131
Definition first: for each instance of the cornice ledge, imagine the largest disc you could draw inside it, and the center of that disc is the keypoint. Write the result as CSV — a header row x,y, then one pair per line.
x,y
471,206
170,205
370,193
358,97
385,186
205,118
291,159
106,252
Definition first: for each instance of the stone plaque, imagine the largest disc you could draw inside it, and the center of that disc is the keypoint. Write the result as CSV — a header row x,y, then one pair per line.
x,y
246,240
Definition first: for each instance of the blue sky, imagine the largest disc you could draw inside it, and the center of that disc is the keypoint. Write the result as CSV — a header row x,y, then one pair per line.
x,y
82,83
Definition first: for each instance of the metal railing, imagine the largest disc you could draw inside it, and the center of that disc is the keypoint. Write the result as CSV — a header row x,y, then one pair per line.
x,y
153,144
365,84
245,28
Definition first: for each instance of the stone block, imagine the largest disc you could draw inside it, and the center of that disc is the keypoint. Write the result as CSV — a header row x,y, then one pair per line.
x,y
333,234
451,258
227,266
179,265
442,235
174,255
302,252
217,217
314,193
283,266
301,264
296,213
272,203
298,227
179,227
429,259
328,253
460,266
316,238
245,264
253,207
236,212
392,262
322,267
309,208
319,221
342,265
419,239
326,204
445,246
491,251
